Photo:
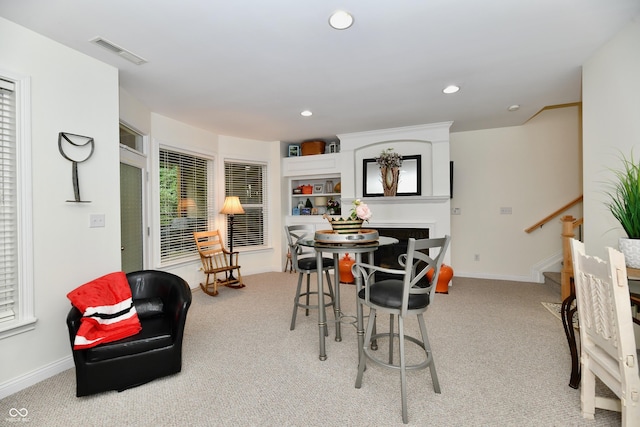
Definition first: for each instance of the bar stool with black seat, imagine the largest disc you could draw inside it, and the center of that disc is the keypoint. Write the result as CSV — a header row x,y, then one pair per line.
x,y
304,260
408,294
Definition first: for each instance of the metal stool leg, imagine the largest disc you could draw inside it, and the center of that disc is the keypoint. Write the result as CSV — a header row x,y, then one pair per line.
x,y
296,303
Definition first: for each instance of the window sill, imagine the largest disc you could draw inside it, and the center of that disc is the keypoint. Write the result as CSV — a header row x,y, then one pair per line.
x,y
17,327
253,249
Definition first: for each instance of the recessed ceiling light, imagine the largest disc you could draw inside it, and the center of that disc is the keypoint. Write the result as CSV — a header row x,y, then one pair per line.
x,y
514,107
341,20
306,113
451,89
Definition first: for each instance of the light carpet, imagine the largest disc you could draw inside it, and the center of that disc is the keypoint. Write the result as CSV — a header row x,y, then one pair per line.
x,y
501,361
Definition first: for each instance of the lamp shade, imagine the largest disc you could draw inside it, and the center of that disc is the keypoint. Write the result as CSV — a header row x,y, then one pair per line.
x,y
232,206
188,207
320,201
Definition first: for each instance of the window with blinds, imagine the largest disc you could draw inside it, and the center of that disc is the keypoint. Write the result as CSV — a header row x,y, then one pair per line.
x,y
17,308
248,181
185,202
8,204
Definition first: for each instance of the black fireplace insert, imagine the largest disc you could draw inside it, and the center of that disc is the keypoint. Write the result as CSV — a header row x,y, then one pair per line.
x,y
387,256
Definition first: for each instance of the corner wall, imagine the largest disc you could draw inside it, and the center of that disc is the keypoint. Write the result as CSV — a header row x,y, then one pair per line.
x,y
533,169
168,131
70,92
611,99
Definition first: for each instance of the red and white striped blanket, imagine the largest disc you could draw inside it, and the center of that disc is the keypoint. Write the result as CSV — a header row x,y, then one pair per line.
x,y
108,313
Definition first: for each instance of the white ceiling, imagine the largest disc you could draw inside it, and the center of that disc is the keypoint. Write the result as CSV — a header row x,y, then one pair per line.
x,y
247,68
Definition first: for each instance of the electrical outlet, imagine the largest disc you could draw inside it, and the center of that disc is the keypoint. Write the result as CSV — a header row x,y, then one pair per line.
x,y
455,211
506,211
96,220
476,257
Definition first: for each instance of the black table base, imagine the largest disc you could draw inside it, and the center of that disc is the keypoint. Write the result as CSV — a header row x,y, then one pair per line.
x,y
567,313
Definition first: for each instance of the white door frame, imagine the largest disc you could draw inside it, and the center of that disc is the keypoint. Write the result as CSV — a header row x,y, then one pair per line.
x,y
139,160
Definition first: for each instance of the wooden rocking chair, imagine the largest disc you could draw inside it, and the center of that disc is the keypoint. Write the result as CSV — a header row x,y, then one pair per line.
x,y
217,262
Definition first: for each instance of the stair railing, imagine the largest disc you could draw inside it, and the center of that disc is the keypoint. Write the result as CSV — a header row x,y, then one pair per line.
x,y
553,215
569,224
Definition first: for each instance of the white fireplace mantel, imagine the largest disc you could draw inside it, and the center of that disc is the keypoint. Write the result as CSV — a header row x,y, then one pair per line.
x,y
434,132
399,200
433,207
430,141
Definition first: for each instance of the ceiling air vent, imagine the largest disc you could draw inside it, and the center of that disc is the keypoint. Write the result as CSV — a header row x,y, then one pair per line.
x,y
129,56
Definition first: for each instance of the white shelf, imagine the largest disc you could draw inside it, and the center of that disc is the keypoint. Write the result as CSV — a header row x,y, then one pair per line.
x,y
310,170
317,194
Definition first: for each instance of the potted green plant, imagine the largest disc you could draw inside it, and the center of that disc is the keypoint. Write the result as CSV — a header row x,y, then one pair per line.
x,y
624,205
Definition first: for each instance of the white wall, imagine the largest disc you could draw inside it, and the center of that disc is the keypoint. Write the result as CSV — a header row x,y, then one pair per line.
x,y
70,92
245,149
534,169
611,102
134,113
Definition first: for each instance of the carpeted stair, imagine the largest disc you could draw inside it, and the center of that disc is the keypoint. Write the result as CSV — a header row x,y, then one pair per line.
x,y
552,279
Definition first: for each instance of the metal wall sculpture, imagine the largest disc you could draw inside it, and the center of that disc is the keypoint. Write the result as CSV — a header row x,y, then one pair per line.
x,y
75,147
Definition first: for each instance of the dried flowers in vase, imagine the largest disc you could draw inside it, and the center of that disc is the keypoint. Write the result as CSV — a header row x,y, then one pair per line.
x,y
389,163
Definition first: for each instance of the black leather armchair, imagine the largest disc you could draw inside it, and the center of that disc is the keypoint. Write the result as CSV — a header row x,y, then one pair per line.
x,y
162,300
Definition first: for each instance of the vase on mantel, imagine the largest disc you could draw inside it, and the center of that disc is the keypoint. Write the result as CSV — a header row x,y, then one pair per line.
x,y
389,180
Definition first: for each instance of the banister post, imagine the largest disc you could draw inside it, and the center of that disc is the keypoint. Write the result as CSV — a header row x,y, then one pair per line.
x,y
567,265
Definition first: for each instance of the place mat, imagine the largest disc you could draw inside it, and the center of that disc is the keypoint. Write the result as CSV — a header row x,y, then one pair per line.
x,y
555,309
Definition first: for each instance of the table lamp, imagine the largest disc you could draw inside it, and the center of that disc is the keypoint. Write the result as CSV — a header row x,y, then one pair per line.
x,y
231,207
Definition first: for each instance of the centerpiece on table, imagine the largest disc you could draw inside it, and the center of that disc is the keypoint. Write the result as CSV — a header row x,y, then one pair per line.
x,y
625,207
360,212
389,163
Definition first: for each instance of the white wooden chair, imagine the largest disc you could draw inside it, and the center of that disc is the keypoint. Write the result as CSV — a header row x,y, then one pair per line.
x,y
608,348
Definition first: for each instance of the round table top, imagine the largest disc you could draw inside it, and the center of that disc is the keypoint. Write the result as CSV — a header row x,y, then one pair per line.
x,y
351,247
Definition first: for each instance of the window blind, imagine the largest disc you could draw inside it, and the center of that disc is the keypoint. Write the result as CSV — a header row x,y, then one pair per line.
x,y
184,203
8,204
248,182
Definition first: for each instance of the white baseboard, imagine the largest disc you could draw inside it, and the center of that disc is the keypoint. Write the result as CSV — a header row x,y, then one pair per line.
x,y
27,380
552,263
548,264
495,277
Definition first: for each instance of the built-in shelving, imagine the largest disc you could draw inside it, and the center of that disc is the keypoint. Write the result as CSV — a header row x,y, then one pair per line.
x,y
317,173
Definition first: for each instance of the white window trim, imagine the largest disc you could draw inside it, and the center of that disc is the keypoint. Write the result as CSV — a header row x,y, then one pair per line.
x,y
158,145
145,141
26,296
